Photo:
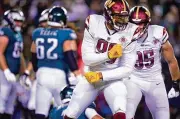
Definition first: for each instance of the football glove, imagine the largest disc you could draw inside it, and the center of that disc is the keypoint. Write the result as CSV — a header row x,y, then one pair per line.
x,y
93,77
25,80
9,75
174,92
115,51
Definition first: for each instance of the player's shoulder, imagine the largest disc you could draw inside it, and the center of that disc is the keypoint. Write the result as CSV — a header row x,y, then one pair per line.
x,y
68,33
93,20
131,28
5,31
37,30
158,32
67,30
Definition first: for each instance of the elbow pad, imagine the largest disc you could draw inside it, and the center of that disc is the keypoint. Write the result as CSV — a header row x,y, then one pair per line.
x,y
34,61
71,60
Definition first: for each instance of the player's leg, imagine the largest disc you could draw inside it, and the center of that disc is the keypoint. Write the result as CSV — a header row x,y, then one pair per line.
x,y
84,94
134,96
43,93
59,83
31,102
157,101
115,95
5,89
11,100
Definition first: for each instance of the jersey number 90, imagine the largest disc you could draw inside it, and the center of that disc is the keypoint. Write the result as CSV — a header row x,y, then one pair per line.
x,y
40,49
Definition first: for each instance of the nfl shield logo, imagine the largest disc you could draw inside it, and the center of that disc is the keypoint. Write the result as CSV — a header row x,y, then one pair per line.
x,y
122,39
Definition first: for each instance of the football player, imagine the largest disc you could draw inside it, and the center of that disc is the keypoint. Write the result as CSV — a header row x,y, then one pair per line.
x,y
53,47
108,49
66,94
24,79
147,78
11,59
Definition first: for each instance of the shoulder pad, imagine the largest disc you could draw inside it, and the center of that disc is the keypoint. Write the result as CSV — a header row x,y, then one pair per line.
x,y
71,35
157,31
92,20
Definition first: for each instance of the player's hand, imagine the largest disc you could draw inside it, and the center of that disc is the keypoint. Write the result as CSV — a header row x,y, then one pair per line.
x,y
25,80
93,77
174,92
9,75
115,51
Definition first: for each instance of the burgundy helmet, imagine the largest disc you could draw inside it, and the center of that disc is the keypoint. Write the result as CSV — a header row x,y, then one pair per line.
x,y
140,15
116,13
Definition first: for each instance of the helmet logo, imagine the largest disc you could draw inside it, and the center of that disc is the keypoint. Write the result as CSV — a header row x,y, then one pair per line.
x,y
148,13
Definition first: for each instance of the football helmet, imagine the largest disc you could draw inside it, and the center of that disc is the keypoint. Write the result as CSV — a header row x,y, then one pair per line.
x,y
116,13
44,16
66,93
140,16
14,18
57,16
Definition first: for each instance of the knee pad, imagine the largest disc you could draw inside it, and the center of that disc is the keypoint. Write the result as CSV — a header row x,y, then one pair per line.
x,y
40,116
119,115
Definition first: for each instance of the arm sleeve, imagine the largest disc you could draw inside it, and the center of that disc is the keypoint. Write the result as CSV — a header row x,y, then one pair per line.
x,y
89,55
71,35
127,65
165,37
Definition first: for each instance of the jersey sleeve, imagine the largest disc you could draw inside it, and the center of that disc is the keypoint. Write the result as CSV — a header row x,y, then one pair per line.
x,y
71,35
3,32
165,36
89,55
34,35
160,33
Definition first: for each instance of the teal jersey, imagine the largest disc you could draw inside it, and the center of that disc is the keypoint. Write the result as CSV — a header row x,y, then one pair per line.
x,y
13,49
49,46
55,113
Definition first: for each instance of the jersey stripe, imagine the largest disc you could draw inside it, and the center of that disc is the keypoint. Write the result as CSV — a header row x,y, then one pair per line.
x,y
137,12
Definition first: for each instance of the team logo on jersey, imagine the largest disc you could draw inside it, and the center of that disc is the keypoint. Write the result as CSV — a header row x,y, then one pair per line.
x,y
122,40
156,41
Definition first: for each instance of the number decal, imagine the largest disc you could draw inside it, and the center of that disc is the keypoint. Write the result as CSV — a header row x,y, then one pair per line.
x,y
102,46
17,49
54,43
145,59
41,54
40,48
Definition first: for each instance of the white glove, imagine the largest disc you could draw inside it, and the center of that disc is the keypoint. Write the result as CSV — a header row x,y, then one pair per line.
x,y
9,75
25,80
172,93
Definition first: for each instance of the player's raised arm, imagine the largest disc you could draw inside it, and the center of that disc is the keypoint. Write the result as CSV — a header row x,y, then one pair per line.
x,y
89,55
128,60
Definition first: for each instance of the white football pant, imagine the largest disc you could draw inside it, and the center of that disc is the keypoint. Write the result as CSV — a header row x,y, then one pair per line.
x,y
85,93
50,81
155,96
7,95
